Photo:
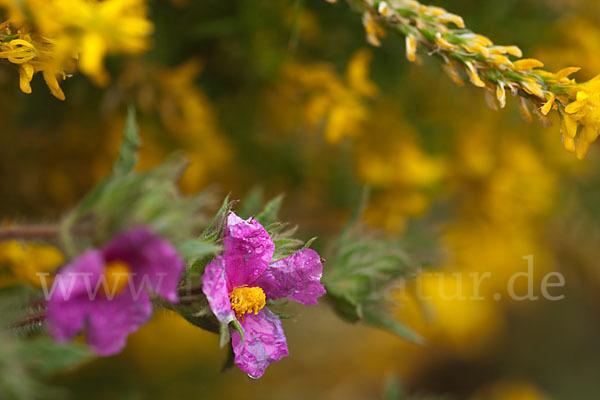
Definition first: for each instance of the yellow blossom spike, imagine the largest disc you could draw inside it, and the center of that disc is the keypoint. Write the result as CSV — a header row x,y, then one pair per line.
x,y
582,148
434,10
357,73
92,53
373,30
455,19
21,51
548,105
513,51
384,9
569,126
52,84
574,107
524,108
475,79
589,133
527,64
480,39
476,48
501,60
533,88
490,99
26,71
411,48
443,43
565,72
501,94
568,143
581,96
450,69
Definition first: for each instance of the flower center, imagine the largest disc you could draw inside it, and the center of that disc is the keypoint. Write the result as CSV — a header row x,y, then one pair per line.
x,y
117,276
246,300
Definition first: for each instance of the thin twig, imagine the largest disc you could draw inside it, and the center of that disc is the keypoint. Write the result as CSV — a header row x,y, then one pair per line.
x,y
28,320
29,232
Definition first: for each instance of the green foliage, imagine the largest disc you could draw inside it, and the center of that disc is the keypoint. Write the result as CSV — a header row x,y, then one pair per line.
x,y
268,215
360,273
126,199
131,143
27,356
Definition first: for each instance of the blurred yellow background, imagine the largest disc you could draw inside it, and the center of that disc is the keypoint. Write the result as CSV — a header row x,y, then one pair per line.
x,y
289,97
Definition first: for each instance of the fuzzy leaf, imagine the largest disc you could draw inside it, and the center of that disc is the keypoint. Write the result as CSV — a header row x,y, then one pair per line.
x,y
268,215
129,146
46,356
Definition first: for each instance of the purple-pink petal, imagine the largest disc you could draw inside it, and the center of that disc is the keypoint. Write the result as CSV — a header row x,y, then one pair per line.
x,y
264,343
77,301
111,321
75,304
296,277
154,262
214,287
248,251
69,303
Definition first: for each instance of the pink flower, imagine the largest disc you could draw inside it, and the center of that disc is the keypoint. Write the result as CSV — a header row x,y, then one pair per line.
x,y
238,283
106,292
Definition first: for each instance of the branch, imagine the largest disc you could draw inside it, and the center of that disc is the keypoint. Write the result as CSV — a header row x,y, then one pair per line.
x,y
497,69
29,232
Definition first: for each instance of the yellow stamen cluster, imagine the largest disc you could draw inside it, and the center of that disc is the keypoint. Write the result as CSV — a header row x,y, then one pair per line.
x,y
32,54
48,36
117,275
497,69
247,300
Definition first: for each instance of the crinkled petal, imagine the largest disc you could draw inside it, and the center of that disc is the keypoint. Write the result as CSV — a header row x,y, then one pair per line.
x,y
214,287
69,302
154,262
264,343
111,321
248,251
296,277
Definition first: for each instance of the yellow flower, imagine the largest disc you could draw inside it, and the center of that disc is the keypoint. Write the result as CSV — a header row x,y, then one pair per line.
x,y
357,73
52,34
473,75
527,64
411,48
21,263
584,111
323,101
33,54
373,30
94,29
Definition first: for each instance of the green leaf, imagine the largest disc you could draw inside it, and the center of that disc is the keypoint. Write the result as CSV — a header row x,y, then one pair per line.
x,y
377,317
46,356
213,231
127,157
124,163
194,249
356,214
393,389
252,203
344,307
268,215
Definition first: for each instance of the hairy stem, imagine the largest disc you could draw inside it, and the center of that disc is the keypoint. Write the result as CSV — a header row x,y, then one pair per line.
x,y
29,232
